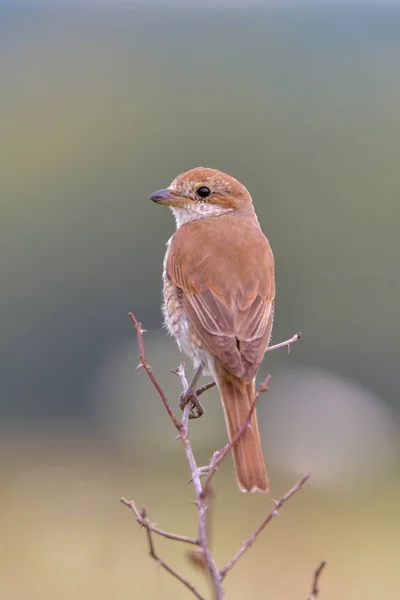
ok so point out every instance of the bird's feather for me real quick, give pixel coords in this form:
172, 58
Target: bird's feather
226, 274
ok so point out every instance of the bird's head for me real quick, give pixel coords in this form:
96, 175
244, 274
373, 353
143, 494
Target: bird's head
202, 193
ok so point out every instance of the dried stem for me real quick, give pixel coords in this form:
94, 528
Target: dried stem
202, 492
315, 584
160, 561
200, 499
287, 344
274, 513
195, 471
143, 363
145, 523
205, 388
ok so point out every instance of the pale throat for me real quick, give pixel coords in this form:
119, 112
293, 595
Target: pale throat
197, 211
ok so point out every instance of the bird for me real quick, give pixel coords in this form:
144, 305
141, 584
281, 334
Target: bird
218, 299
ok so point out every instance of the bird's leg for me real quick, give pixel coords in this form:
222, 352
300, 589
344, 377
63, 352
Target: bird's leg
191, 396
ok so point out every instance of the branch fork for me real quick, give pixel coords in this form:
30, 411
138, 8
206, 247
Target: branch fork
201, 555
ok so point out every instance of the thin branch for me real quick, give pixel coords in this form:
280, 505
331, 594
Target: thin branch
180, 372
315, 584
164, 565
288, 343
202, 492
218, 457
149, 371
195, 471
196, 555
145, 523
205, 388
274, 513
200, 499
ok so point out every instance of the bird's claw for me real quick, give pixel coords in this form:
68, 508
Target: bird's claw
196, 408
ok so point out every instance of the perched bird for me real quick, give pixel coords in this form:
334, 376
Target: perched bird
219, 290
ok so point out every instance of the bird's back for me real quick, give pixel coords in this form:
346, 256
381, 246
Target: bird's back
230, 250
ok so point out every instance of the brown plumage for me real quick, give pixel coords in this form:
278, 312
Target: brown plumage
219, 297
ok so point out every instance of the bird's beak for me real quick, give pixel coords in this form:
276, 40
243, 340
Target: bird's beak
168, 198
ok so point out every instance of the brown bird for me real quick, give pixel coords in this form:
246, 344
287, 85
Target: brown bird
219, 290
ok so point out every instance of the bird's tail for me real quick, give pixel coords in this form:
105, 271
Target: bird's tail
237, 399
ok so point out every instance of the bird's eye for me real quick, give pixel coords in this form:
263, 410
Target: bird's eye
203, 191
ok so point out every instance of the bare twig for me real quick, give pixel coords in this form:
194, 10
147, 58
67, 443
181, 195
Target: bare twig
149, 371
195, 471
180, 372
288, 343
164, 565
315, 584
200, 499
202, 554
274, 513
196, 555
219, 457
145, 523
205, 388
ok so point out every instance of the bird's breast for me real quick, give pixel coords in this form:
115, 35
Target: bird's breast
176, 320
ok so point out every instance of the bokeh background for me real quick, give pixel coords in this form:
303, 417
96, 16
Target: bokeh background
102, 104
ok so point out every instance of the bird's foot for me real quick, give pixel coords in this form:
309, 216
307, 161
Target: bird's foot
190, 397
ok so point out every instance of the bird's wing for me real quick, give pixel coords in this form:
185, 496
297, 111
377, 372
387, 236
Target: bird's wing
227, 292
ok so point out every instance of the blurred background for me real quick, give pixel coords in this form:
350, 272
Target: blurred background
104, 103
